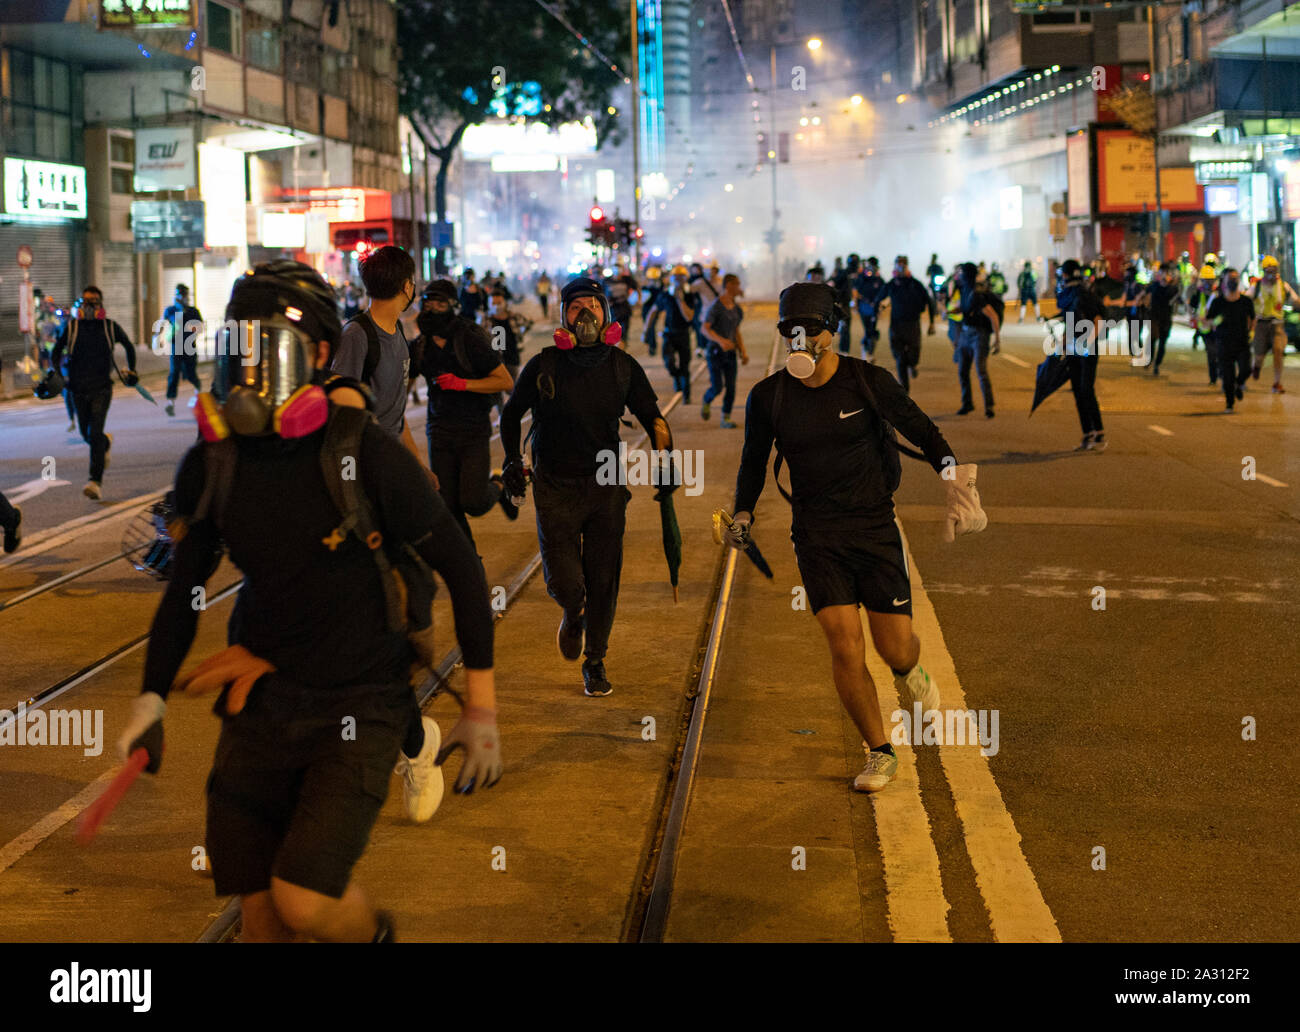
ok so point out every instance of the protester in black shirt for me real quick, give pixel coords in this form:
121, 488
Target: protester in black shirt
908, 300
679, 306
472, 299
844, 279
867, 290
314, 694
620, 287
88, 340
1232, 316
181, 330
504, 338
1083, 311
464, 375
705, 293
577, 391
979, 322
1162, 291
829, 417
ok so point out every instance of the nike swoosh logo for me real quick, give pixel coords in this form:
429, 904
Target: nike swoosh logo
901, 602
845, 415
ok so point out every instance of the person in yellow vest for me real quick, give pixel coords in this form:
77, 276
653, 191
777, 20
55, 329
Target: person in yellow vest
1197, 302
1269, 295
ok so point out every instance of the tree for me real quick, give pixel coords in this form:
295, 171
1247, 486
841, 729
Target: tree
459, 56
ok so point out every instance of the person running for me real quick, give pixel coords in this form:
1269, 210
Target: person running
722, 327
706, 293
472, 299
678, 305
1134, 298
87, 341
1027, 287
620, 287
979, 323
649, 303
1269, 295
180, 329
464, 376
935, 279
11, 522
1084, 312
868, 289
1231, 318
577, 390
292, 799
1162, 292
373, 348
1202, 331
907, 299
844, 470
843, 279
504, 338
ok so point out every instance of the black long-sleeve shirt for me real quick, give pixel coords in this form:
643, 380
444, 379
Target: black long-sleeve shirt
582, 420
90, 356
318, 615
833, 445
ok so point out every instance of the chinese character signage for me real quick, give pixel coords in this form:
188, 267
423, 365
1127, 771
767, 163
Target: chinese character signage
44, 188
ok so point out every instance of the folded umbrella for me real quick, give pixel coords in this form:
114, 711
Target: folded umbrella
1052, 372
672, 535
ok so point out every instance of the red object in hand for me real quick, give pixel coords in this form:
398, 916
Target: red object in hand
99, 810
449, 382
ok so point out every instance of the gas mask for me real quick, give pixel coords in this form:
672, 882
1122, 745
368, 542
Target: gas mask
273, 386
84, 309
803, 354
588, 330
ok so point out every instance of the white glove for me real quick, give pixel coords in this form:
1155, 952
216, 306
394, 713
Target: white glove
144, 728
965, 515
724, 534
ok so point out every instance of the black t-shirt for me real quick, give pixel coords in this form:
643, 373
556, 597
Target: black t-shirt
318, 615
459, 416
674, 322
869, 288
833, 446
1162, 299
1234, 330
85, 343
504, 330
973, 302
582, 418
908, 299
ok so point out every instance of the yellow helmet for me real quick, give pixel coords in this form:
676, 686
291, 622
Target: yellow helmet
1268, 262
680, 270
1207, 272
652, 272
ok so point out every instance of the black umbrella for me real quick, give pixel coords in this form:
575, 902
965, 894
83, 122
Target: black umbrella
1052, 372
672, 536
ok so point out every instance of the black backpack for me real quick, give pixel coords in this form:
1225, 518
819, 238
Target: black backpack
408, 582
889, 438
374, 352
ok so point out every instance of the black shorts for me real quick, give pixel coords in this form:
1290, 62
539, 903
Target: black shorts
295, 788
842, 567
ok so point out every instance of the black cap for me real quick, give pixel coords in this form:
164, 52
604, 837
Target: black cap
800, 301
969, 271
1071, 268
580, 286
441, 290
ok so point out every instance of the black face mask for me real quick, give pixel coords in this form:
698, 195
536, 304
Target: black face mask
1232, 285
434, 324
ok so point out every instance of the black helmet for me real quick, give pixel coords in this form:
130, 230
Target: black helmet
804, 302
584, 286
439, 289
1071, 269
51, 386
282, 309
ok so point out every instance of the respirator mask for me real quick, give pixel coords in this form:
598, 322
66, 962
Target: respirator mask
805, 312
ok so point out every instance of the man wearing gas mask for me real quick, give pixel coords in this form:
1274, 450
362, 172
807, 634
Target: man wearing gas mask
319, 635
464, 375
832, 418
88, 340
577, 390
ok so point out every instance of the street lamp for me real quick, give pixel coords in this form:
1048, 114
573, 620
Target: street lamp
814, 44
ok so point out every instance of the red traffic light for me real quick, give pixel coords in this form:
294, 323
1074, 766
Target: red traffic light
597, 214
639, 232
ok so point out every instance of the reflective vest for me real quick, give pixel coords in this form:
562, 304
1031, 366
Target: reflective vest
1268, 301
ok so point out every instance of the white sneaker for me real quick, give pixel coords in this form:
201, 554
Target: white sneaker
918, 686
91, 490
879, 772
422, 783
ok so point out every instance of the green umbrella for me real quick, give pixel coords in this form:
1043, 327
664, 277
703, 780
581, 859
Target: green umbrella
672, 536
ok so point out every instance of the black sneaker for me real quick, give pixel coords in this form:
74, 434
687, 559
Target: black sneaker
594, 679
988, 413
14, 534
569, 636
503, 499
1241, 393
964, 409
385, 932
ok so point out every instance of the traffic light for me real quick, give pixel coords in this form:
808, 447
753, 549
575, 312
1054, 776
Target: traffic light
597, 228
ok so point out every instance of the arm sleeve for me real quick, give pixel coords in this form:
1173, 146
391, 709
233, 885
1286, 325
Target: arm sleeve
177, 618
350, 355
410, 510
119, 335
642, 401
897, 406
60, 346
523, 399
759, 437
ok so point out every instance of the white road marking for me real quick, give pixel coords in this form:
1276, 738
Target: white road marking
1161, 430
1016, 908
1014, 360
1269, 480
14, 851
26, 492
915, 905
44, 540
